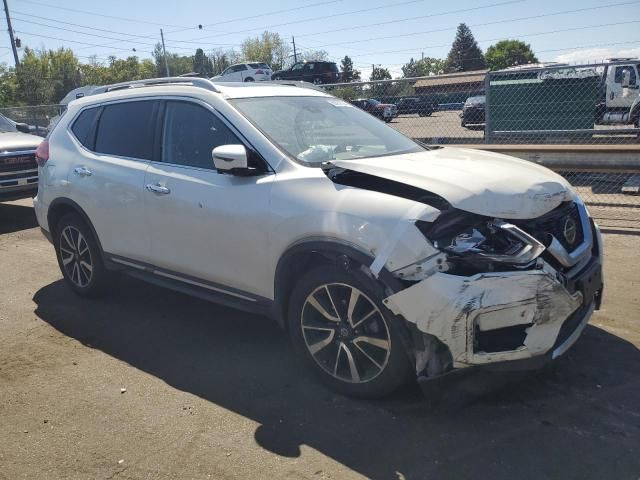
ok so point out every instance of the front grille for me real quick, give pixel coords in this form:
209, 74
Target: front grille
558, 223
15, 163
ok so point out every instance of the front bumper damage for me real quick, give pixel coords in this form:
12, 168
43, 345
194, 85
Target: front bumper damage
515, 320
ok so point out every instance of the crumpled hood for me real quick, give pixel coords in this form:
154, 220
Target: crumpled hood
476, 181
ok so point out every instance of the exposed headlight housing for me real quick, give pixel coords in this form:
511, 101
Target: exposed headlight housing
473, 237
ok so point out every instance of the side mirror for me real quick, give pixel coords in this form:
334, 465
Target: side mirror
23, 127
230, 158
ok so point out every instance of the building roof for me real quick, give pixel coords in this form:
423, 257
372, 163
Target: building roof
452, 79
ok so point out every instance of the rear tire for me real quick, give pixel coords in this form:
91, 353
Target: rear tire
341, 330
249, 79
317, 81
79, 257
277, 78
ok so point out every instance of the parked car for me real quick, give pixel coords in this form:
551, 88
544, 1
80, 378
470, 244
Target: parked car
384, 111
245, 72
473, 111
18, 168
312, 72
383, 259
413, 105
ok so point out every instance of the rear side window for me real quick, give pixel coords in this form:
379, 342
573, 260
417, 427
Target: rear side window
190, 133
126, 129
331, 67
83, 127
256, 65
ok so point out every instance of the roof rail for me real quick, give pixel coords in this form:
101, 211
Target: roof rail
194, 81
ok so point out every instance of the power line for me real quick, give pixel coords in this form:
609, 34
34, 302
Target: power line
501, 38
323, 17
458, 11
131, 40
494, 22
76, 10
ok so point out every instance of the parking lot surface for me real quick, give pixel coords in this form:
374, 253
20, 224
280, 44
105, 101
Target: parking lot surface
151, 384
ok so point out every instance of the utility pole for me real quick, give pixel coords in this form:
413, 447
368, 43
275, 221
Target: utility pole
13, 41
423, 56
295, 54
164, 52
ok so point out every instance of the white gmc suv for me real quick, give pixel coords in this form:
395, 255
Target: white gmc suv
381, 257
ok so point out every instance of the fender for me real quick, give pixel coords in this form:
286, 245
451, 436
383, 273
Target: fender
68, 204
324, 249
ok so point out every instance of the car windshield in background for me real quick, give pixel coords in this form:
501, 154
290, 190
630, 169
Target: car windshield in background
6, 125
319, 129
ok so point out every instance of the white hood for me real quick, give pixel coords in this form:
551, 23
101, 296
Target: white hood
476, 181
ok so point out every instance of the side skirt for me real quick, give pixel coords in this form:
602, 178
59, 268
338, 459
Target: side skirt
196, 287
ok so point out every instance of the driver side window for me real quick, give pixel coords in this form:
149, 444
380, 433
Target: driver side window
297, 66
190, 132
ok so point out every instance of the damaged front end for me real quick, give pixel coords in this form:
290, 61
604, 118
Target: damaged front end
502, 293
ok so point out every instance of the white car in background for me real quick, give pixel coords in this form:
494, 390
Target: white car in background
245, 72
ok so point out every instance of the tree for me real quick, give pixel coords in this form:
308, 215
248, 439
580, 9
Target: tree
380, 73
349, 74
202, 64
178, 64
311, 55
465, 54
423, 67
268, 48
508, 53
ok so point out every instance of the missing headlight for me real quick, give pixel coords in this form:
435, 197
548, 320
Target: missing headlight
476, 238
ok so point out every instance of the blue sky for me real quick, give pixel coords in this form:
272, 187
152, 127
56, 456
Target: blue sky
354, 28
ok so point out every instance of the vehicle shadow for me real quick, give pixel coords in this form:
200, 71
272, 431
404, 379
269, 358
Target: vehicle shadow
14, 218
579, 419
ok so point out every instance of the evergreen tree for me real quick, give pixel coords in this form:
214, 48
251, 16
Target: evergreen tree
465, 54
348, 72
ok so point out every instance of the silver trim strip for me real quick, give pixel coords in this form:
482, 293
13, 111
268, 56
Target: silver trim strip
181, 279
17, 152
18, 172
22, 181
574, 336
570, 259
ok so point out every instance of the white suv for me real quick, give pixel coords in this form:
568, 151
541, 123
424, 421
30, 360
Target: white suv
245, 72
379, 256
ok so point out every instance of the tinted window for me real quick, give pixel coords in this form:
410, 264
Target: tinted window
126, 130
83, 127
256, 65
239, 68
190, 133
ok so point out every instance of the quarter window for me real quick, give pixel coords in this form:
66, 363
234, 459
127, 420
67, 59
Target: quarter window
190, 133
83, 127
126, 129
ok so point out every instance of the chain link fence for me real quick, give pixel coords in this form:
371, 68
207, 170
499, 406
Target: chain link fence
39, 117
594, 105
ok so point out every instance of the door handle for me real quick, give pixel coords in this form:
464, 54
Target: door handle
82, 171
157, 188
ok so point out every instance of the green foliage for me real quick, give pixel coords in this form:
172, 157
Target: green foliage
380, 73
508, 53
349, 74
268, 48
424, 67
465, 54
202, 64
178, 64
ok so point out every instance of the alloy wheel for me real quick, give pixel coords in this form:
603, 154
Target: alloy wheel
345, 333
76, 256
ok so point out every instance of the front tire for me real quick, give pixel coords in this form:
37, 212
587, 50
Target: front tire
342, 331
79, 256
249, 79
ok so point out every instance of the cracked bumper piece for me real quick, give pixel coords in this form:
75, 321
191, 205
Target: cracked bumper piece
499, 318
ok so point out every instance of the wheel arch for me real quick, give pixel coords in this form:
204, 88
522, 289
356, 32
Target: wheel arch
305, 254
60, 207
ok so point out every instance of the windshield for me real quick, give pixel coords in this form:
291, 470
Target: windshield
319, 129
6, 125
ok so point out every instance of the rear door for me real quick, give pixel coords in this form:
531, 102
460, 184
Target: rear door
205, 227
115, 144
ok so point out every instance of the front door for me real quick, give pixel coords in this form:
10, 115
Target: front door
204, 224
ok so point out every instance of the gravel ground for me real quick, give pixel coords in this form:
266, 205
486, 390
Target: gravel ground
151, 384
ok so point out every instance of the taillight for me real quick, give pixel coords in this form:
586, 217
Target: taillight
42, 153
259, 72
